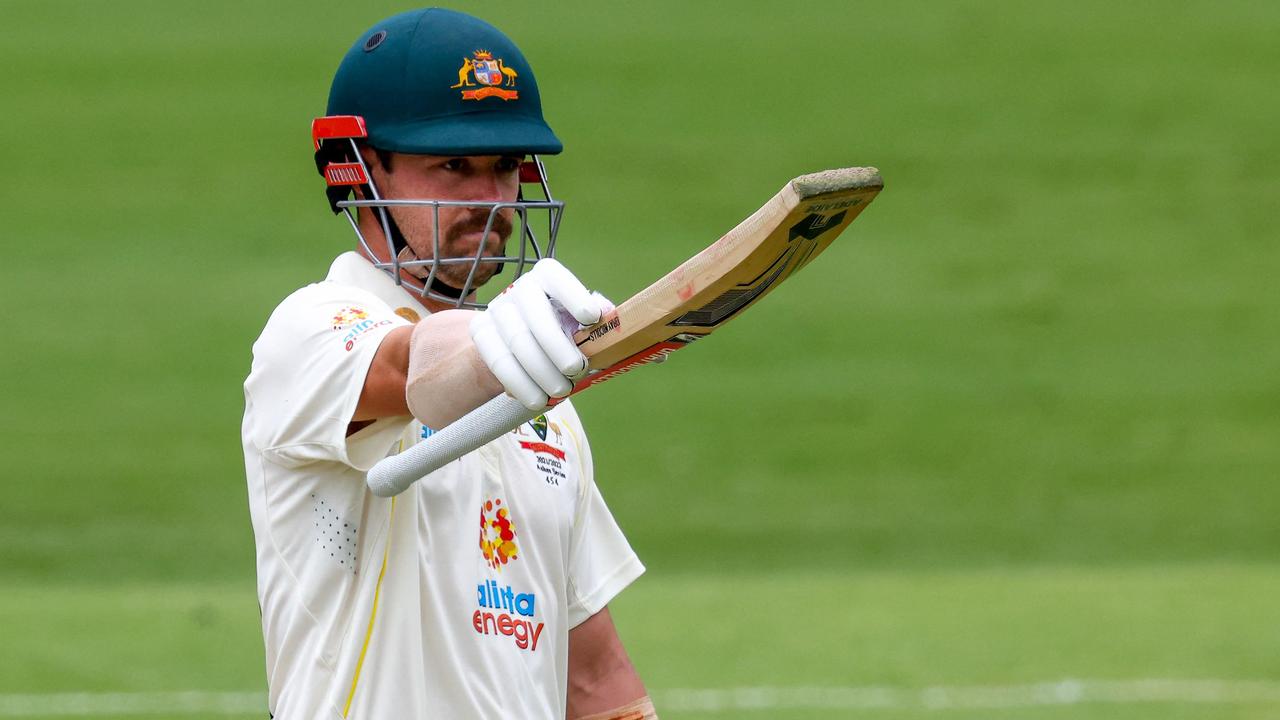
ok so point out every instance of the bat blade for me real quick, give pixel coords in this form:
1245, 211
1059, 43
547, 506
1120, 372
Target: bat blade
714, 286
702, 294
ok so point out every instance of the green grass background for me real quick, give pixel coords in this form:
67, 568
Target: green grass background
1020, 424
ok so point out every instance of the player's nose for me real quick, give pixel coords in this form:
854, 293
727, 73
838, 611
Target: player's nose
488, 185
490, 189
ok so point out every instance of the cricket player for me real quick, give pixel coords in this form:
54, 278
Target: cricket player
482, 591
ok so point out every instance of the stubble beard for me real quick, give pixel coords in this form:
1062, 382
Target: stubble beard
420, 236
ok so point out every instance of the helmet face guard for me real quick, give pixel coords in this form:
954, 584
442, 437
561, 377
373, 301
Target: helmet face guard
337, 141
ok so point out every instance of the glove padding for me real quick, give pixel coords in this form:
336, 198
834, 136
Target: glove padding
526, 335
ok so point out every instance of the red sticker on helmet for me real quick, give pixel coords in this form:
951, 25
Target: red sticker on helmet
337, 127
345, 174
529, 172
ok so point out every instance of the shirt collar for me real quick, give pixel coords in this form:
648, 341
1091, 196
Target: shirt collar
352, 268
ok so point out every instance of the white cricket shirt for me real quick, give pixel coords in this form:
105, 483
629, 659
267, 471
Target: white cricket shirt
451, 600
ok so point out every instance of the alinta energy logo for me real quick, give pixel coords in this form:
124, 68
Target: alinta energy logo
356, 321
501, 610
497, 534
348, 316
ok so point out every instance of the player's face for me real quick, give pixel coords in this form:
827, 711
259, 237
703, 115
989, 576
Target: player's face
484, 178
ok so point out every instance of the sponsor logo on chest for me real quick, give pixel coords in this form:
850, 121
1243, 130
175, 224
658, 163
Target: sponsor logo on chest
356, 322
503, 611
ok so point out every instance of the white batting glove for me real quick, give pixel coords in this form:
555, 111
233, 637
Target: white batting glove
526, 335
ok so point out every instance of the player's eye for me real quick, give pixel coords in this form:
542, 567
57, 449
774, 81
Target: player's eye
507, 164
454, 164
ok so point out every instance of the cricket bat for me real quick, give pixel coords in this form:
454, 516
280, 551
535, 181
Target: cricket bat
702, 294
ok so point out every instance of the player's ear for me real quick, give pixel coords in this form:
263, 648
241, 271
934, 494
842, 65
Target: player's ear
372, 158
377, 157
379, 164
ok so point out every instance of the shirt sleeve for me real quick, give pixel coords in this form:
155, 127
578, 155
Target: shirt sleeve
601, 561
309, 367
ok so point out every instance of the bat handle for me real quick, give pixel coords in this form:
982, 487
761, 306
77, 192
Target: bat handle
393, 475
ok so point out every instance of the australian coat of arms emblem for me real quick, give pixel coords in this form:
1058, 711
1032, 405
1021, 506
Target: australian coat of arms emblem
488, 76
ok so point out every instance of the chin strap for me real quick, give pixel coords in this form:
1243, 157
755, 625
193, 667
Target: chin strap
641, 709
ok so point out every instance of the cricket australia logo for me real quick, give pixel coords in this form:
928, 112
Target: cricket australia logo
548, 455
488, 76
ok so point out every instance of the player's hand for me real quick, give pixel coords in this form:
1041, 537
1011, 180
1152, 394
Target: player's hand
526, 335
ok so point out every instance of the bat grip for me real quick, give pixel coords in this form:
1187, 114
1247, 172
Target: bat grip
393, 475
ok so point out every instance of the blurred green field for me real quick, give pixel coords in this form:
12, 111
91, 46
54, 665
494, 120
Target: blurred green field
1019, 426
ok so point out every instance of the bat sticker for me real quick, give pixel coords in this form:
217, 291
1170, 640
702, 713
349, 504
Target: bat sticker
814, 225
736, 298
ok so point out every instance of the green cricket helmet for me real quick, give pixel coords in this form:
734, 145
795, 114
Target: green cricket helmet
436, 82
